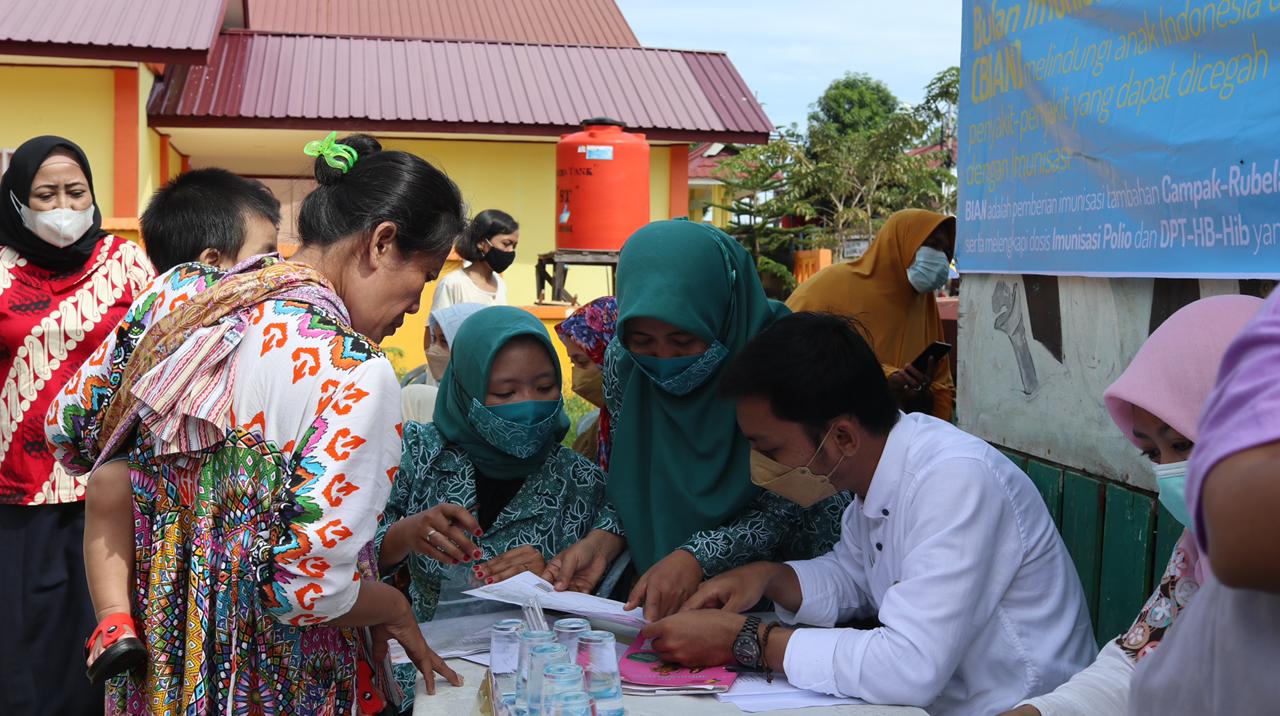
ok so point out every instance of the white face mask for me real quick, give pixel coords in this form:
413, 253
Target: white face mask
60, 227
929, 271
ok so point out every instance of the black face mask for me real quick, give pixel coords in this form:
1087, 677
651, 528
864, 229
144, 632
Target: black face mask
498, 260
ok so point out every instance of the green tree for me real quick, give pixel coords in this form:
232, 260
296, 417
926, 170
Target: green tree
851, 182
938, 111
853, 104
757, 182
854, 173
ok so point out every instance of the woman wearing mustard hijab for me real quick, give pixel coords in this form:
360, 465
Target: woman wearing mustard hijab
890, 291
689, 300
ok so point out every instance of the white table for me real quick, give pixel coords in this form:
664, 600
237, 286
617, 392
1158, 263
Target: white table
450, 701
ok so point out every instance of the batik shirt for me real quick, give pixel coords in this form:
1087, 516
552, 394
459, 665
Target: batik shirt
557, 505
49, 324
772, 528
267, 535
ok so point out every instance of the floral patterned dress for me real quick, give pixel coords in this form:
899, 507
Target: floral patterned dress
245, 549
556, 506
1179, 584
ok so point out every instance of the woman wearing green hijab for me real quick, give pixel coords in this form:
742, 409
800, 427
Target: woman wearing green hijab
486, 491
689, 300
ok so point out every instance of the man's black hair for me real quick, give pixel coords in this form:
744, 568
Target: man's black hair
813, 368
203, 209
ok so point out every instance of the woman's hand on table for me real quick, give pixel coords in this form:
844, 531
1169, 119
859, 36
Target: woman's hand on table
580, 567
1023, 710
403, 627
667, 585
442, 533
698, 638
525, 558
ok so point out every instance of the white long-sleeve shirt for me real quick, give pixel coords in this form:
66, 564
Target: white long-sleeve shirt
955, 552
1100, 690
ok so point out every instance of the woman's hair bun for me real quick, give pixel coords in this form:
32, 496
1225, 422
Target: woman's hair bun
364, 145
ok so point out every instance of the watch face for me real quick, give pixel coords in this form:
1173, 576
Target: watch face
746, 651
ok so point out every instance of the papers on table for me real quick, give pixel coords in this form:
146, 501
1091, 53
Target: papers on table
457, 637
753, 694
520, 588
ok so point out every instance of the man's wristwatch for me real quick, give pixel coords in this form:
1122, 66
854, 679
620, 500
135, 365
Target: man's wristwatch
746, 648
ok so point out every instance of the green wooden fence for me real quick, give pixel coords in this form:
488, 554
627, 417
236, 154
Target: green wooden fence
1119, 538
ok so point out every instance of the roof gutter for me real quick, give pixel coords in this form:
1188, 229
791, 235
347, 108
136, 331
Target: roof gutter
356, 124
160, 55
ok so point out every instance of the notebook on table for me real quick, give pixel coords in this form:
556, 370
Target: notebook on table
643, 672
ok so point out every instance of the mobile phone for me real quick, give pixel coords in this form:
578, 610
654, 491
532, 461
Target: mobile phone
936, 351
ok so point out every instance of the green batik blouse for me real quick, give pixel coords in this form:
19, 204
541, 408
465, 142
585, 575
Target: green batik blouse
557, 505
770, 528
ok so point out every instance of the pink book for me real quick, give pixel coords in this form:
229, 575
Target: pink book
641, 666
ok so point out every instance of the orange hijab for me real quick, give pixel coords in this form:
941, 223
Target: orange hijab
875, 291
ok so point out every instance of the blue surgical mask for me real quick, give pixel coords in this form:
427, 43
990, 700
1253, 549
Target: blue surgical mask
1171, 479
518, 429
683, 374
929, 271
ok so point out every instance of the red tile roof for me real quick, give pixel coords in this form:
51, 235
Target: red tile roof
257, 80
135, 30
545, 22
935, 152
703, 162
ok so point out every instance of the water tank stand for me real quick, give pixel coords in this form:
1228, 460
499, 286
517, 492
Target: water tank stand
553, 269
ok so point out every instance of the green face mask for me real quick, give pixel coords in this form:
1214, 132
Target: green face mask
1171, 480
683, 374
518, 429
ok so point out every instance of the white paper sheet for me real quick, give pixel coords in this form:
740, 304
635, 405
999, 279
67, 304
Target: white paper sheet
753, 694
518, 590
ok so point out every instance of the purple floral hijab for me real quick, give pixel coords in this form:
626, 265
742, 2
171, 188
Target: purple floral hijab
591, 328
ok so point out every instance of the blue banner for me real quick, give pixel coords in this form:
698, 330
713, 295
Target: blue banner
1120, 138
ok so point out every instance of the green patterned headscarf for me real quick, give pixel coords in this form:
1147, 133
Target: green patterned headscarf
680, 463
466, 382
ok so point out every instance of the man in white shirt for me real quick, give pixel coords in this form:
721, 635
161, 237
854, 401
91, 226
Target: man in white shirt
947, 544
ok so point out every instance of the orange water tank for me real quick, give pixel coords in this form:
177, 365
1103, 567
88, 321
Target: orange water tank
602, 186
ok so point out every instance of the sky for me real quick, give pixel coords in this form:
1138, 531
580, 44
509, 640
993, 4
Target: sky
788, 51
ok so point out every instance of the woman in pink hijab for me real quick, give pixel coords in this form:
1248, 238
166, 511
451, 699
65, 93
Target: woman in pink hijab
1156, 403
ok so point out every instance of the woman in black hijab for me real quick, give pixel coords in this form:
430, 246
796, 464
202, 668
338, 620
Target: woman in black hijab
36, 239
64, 284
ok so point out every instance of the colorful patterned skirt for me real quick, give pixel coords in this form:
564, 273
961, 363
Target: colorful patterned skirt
204, 536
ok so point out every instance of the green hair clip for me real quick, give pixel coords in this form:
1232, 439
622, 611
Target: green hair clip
339, 156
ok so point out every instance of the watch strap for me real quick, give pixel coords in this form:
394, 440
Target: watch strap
751, 629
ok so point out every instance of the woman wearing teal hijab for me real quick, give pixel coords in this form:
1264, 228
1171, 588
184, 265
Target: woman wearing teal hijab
486, 491
689, 300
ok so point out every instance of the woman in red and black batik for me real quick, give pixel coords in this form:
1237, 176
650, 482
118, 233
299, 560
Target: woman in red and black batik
64, 285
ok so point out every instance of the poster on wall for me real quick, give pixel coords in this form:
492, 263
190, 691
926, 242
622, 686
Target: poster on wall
1120, 138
